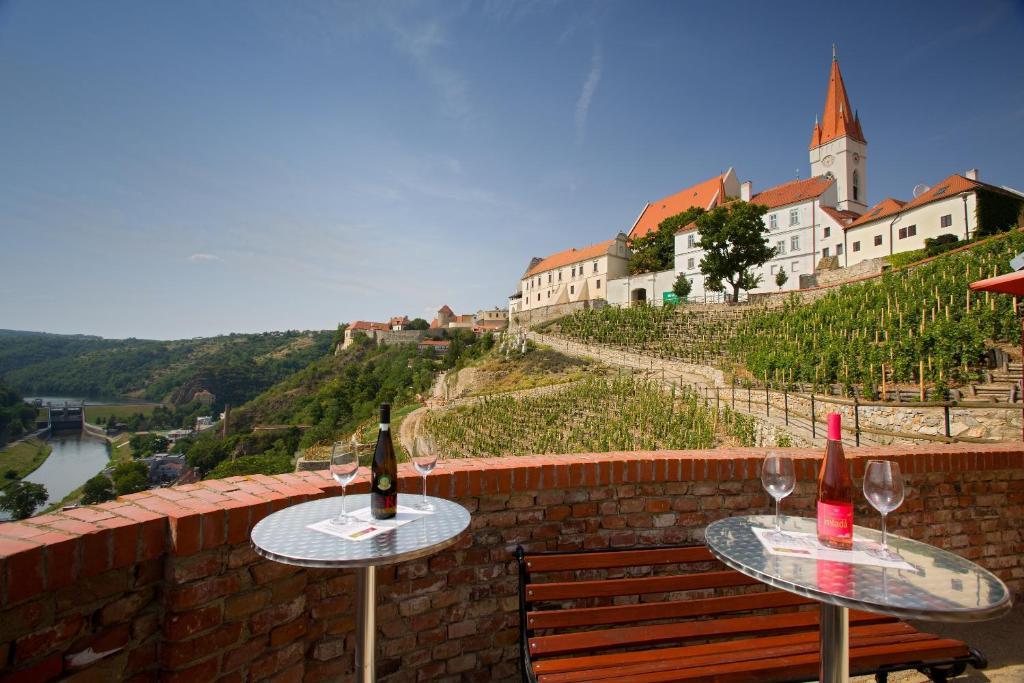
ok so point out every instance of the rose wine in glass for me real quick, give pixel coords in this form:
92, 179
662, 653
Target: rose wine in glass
835, 493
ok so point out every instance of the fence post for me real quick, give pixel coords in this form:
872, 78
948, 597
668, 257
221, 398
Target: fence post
945, 409
785, 403
767, 400
856, 418
750, 391
814, 432
734, 394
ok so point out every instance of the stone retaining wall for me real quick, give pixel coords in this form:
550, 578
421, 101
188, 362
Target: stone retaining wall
163, 584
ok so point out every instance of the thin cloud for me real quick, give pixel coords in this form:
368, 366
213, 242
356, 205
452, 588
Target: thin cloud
201, 257
587, 93
420, 43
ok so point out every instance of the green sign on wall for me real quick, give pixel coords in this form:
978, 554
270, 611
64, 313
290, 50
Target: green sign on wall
669, 298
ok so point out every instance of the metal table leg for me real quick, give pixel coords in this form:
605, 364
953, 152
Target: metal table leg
835, 644
366, 624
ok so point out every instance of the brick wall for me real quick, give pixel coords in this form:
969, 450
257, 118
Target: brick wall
163, 585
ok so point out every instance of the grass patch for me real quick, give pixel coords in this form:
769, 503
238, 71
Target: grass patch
907, 257
540, 367
121, 412
22, 458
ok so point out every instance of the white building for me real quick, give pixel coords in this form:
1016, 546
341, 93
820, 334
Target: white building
572, 275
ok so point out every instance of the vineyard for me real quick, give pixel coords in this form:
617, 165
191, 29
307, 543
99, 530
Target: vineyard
920, 324
595, 415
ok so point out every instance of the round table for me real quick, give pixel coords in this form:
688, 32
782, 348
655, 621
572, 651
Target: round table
283, 537
941, 587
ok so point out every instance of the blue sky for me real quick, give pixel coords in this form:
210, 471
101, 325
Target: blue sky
173, 169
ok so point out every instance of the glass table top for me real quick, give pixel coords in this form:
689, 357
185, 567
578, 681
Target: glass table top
283, 536
942, 586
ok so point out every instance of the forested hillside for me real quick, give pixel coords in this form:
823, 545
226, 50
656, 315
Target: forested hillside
233, 367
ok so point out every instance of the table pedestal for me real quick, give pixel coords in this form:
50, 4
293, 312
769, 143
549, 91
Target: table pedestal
834, 631
366, 624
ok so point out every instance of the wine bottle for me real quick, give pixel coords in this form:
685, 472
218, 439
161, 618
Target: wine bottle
835, 494
384, 471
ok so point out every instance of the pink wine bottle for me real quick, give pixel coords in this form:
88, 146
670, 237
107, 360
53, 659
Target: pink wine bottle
835, 494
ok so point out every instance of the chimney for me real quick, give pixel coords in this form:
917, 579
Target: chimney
746, 190
971, 174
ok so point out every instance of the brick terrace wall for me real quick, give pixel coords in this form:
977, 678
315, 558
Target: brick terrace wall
163, 585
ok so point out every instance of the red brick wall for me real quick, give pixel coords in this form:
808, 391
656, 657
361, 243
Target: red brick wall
163, 584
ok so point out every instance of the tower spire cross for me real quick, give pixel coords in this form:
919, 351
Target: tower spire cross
834, 54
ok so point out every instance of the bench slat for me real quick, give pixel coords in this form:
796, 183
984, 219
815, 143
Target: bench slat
635, 586
797, 666
649, 611
649, 635
568, 664
622, 558
742, 651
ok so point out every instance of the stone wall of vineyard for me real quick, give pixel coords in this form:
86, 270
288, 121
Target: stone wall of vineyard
527, 319
164, 582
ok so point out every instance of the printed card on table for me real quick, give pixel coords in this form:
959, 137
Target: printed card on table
363, 526
799, 544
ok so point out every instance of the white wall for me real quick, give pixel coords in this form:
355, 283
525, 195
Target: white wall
927, 219
563, 285
653, 286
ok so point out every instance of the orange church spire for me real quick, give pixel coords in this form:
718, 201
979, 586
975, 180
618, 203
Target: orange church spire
838, 119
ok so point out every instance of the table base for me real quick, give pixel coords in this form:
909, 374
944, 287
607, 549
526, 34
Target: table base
834, 634
366, 624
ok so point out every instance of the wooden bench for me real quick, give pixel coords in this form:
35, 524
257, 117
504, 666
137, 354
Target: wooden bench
677, 614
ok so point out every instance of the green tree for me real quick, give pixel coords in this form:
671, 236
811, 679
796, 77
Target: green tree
656, 250
682, 286
781, 278
130, 477
98, 489
22, 498
418, 324
733, 240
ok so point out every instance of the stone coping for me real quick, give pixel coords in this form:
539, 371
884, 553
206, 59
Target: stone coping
52, 551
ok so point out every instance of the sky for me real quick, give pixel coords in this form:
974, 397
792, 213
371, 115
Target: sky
187, 168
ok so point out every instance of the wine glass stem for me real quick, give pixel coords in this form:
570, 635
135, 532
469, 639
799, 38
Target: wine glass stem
424, 489
885, 545
778, 525
343, 514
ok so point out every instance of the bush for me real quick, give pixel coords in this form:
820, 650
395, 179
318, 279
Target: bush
130, 477
933, 246
98, 489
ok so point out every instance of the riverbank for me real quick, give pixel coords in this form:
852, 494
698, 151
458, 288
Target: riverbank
22, 458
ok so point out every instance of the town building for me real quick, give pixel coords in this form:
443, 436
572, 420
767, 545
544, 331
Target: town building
370, 329
398, 323
573, 275
438, 347
493, 320
444, 316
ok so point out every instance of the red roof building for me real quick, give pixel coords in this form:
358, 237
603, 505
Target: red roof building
706, 195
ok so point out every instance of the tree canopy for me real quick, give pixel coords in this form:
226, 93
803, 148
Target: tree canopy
22, 498
656, 250
98, 489
682, 286
733, 240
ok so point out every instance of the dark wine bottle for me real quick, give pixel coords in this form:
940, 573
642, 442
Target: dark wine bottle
384, 470
835, 493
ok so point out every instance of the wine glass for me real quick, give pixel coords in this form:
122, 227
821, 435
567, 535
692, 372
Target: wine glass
779, 479
883, 487
424, 459
344, 468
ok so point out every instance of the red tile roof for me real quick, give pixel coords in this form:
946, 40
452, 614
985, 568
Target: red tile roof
792, 192
445, 310
953, 185
838, 119
364, 325
706, 195
570, 256
842, 217
398, 320
434, 342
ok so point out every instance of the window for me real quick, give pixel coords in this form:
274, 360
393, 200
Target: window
794, 243
947, 220
828, 231
856, 186
856, 246
780, 247
689, 264
538, 296
824, 252
595, 266
690, 241
908, 231
773, 270
559, 276
773, 221
572, 289
598, 284
549, 278
794, 216
549, 294
839, 250
795, 266
878, 240
574, 271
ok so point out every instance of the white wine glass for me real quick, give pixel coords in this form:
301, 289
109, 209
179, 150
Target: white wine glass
778, 477
883, 487
344, 468
424, 459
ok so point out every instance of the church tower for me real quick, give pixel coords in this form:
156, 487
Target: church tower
838, 147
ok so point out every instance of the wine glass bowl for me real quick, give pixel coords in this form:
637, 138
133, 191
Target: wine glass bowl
424, 459
344, 468
883, 488
778, 477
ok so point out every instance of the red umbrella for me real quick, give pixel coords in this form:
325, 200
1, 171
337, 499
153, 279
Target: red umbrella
1011, 283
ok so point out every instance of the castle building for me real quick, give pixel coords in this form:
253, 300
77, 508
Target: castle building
572, 275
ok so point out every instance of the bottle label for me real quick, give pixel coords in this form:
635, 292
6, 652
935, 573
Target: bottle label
384, 427
835, 520
383, 482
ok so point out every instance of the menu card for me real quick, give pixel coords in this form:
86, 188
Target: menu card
363, 526
799, 544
